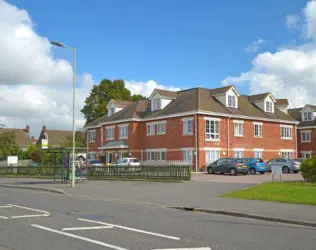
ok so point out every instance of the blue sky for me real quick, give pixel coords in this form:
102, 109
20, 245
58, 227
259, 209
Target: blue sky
179, 43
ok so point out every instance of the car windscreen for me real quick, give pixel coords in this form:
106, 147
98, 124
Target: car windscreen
134, 160
240, 160
259, 160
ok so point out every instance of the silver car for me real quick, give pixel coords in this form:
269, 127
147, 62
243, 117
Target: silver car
287, 165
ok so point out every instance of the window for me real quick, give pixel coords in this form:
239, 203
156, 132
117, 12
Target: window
212, 155
212, 130
161, 155
156, 103
150, 155
91, 134
231, 101
161, 128
286, 132
269, 106
187, 155
109, 133
92, 155
258, 129
123, 131
258, 153
308, 116
287, 154
111, 111
305, 136
150, 129
187, 127
239, 153
306, 155
238, 128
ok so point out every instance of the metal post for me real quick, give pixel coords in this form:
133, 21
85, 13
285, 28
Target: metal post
73, 119
54, 167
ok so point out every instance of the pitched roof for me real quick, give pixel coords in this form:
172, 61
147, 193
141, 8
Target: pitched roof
296, 113
167, 93
196, 99
313, 107
282, 102
220, 90
121, 104
55, 137
22, 137
258, 97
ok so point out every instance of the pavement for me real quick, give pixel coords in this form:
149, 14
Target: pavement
40, 220
200, 195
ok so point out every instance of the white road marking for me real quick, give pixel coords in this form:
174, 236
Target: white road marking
195, 248
6, 206
28, 216
85, 228
3, 217
132, 229
79, 237
28, 208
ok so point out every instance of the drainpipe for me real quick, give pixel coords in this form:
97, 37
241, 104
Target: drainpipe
196, 143
228, 135
296, 141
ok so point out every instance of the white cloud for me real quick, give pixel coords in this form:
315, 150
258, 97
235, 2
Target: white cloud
288, 73
292, 21
255, 46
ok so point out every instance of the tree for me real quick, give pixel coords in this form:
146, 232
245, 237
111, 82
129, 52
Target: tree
8, 145
96, 102
80, 140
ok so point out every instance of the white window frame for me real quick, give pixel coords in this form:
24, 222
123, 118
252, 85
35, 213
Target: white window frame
259, 125
306, 136
187, 155
212, 154
92, 153
123, 131
239, 152
286, 132
159, 126
150, 155
307, 117
161, 153
216, 129
258, 153
305, 153
90, 133
111, 110
112, 128
238, 128
185, 126
156, 103
150, 128
287, 154
231, 101
268, 105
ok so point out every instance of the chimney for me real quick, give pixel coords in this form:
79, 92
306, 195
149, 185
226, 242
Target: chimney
27, 129
44, 129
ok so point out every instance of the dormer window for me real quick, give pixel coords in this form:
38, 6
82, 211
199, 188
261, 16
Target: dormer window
156, 104
308, 116
111, 111
269, 106
231, 101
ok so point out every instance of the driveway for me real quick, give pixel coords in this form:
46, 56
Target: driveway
246, 179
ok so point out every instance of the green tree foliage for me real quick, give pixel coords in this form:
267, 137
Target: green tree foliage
308, 169
100, 95
79, 143
8, 145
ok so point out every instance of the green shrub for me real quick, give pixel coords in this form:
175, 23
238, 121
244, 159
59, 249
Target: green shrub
308, 169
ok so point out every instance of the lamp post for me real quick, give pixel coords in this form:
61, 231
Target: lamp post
58, 44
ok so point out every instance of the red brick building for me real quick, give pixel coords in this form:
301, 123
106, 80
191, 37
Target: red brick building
306, 130
195, 125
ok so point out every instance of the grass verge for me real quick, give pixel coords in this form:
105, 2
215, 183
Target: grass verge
285, 192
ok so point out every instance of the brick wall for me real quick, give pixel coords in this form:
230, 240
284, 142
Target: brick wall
307, 146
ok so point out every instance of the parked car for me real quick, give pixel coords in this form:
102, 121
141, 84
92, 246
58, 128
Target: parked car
256, 165
287, 165
94, 163
228, 165
127, 162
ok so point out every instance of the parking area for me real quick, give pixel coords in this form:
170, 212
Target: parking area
247, 179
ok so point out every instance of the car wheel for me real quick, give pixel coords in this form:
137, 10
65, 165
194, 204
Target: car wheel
232, 171
252, 171
285, 170
295, 171
210, 170
261, 172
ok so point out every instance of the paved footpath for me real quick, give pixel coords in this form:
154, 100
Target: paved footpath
203, 195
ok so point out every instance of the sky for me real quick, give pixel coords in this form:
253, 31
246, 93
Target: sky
258, 46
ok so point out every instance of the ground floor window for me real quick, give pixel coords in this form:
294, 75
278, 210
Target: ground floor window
161, 155
212, 155
150, 155
287, 154
109, 157
306, 155
187, 155
239, 153
258, 154
92, 155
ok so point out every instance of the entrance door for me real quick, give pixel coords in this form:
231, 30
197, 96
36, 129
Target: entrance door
109, 158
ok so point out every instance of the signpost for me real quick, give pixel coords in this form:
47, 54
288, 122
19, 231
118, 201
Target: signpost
276, 170
44, 143
12, 160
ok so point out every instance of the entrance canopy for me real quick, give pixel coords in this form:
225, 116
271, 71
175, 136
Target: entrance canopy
119, 144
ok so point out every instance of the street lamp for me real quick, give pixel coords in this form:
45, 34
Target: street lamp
58, 44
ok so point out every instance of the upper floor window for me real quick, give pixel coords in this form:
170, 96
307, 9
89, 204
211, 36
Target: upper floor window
111, 111
91, 135
212, 130
156, 103
123, 131
150, 129
308, 116
109, 133
187, 126
231, 101
239, 128
269, 106
161, 128
306, 136
286, 132
258, 129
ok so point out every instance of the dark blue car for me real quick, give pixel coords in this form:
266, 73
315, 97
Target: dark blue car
256, 165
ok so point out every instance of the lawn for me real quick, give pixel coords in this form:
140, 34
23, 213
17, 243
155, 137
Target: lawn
286, 192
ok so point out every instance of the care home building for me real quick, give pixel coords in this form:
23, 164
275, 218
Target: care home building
195, 125
306, 130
